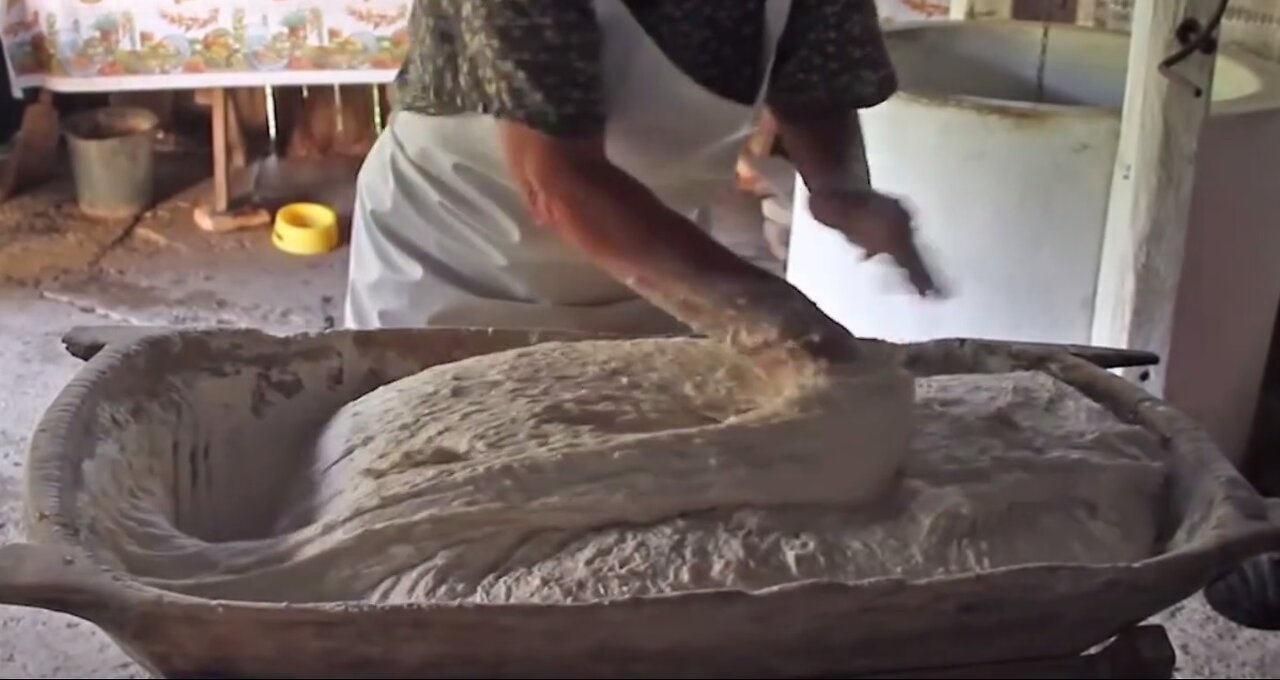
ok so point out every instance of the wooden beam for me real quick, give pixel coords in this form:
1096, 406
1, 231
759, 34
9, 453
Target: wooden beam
981, 9
1146, 224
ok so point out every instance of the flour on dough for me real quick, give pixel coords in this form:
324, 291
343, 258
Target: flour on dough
574, 472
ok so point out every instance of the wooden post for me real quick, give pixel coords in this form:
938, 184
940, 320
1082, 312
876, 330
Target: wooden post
221, 179
1146, 225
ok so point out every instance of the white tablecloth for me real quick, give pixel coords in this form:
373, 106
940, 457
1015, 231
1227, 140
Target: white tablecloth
912, 10
113, 45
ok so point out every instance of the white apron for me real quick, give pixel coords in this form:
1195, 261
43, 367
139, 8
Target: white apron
441, 235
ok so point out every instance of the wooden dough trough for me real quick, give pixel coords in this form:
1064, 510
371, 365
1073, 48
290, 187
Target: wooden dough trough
1213, 520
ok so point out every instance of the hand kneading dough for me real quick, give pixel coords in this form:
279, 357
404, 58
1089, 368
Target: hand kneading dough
571, 472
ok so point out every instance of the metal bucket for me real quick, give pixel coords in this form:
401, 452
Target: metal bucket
113, 160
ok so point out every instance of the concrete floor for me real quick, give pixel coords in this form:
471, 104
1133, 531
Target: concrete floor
59, 271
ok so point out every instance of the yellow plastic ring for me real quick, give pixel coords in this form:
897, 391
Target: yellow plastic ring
306, 229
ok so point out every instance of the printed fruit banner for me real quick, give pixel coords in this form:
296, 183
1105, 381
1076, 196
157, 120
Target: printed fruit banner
912, 10
100, 45
109, 45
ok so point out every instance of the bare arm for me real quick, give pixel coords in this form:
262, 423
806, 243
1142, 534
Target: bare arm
572, 188
827, 151
832, 63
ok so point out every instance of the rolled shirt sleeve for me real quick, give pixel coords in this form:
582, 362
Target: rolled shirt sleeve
831, 58
538, 62
535, 62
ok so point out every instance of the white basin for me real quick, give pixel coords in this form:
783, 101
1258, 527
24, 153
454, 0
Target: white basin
1006, 158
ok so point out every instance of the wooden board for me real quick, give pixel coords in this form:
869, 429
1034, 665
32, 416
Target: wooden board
1147, 215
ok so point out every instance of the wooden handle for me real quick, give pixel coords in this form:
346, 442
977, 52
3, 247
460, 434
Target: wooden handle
85, 342
1107, 357
1102, 357
58, 579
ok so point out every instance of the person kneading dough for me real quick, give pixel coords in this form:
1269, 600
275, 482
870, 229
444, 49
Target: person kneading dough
550, 162
545, 172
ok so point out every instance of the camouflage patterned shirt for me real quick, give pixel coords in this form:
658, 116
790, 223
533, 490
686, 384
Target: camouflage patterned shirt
537, 61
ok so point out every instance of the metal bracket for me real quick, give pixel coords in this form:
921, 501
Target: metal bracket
1194, 38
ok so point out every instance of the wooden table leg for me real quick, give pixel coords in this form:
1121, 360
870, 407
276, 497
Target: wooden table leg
33, 160
221, 170
218, 217
237, 151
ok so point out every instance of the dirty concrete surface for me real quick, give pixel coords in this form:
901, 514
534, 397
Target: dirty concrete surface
58, 270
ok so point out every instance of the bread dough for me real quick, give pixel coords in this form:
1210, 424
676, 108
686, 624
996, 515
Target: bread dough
573, 472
